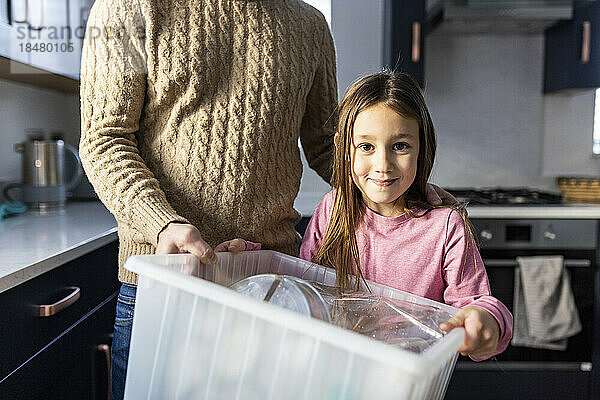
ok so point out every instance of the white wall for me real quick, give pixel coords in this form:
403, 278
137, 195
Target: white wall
23, 106
357, 28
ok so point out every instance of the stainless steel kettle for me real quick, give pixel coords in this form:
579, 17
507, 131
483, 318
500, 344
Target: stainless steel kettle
44, 178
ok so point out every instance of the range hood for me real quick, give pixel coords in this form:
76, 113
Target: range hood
496, 16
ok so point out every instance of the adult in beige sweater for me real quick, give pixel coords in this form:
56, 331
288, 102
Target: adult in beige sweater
191, 113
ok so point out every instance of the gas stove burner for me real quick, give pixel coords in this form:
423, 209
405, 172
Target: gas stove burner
505, 196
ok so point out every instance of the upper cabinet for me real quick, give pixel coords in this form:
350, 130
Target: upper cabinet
44, 34
50, 36
404, 37
572, 50
14, 13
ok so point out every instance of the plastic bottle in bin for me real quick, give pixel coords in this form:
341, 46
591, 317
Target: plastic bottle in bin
411, 326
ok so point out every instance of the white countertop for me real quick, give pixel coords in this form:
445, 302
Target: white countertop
307, 204
33, 243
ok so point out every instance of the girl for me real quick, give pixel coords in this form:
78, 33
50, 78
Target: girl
376, 223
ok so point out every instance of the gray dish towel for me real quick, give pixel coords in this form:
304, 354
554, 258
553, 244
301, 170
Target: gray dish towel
544, 308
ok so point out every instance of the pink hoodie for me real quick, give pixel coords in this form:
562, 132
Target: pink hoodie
422, 256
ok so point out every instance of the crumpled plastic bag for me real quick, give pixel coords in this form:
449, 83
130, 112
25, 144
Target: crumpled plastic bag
411, 326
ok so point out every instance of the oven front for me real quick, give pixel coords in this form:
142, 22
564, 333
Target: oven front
532, 373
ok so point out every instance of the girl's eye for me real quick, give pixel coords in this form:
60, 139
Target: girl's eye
400, 146
365, 147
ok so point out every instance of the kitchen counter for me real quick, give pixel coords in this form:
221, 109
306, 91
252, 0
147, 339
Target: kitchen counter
34, 243
307, 205
566, 211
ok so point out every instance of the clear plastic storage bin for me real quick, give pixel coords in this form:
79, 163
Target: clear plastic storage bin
193, 338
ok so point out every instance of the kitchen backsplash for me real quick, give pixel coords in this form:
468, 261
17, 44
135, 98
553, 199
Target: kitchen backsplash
23, 106
568, 127
485, 97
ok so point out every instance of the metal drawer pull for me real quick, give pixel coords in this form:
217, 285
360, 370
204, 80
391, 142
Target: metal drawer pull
513, 263
512, 366
46, 310
105, 349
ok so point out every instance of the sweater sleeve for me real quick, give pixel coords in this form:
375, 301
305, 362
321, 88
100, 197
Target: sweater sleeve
467, 281
316, 229
316, 131
251, 246
113, 85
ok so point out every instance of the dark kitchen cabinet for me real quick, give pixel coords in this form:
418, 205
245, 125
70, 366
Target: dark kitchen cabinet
404, 43
572, 50
85, 353
493, 382
65, 355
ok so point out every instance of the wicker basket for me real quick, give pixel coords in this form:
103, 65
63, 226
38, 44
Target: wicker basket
580, 189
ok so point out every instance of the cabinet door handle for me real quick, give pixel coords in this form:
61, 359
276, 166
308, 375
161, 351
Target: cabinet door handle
46, 310
41, 25
9, 12
105, 349
492, 262
585, 42
26, 19
416, 42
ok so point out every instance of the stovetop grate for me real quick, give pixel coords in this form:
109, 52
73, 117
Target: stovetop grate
505, 196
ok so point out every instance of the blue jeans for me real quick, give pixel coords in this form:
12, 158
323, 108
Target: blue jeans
119, 351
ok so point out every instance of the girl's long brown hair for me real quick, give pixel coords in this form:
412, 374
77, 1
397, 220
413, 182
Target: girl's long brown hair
399, 92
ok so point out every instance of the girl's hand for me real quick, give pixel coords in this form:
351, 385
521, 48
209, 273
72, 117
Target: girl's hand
234, 246
481, 330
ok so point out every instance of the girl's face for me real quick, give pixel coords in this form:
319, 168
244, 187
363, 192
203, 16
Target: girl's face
384, 158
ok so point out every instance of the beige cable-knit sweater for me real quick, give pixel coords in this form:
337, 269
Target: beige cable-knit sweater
191, 111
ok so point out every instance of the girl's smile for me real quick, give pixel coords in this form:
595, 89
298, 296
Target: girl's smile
386, 182
384, 158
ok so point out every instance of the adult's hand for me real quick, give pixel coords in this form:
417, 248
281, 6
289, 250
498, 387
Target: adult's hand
436, 196
184, 238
